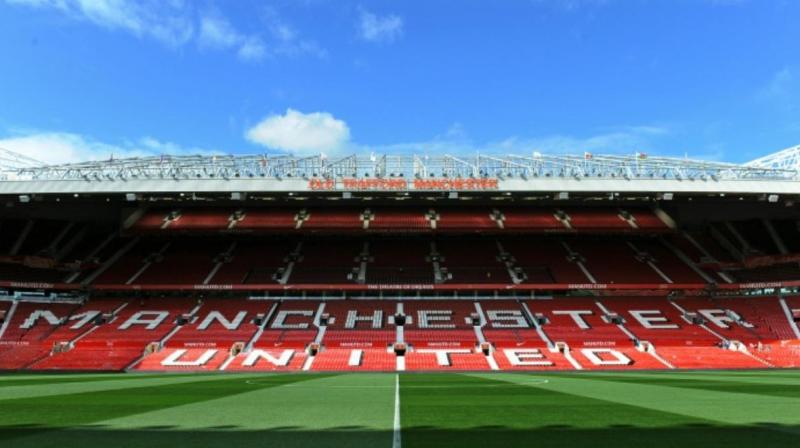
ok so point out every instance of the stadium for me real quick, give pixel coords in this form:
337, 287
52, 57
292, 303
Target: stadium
441, 279
399, 224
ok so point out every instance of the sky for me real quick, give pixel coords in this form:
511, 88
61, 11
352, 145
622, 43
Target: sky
95, 79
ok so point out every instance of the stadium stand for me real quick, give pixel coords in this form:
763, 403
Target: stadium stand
486, 283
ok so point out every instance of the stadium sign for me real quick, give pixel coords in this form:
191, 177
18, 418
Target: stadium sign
401, 184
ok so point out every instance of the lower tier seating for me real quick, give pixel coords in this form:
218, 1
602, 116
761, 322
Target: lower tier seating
709, 358
181, 334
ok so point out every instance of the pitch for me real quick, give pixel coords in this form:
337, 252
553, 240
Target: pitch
703, 409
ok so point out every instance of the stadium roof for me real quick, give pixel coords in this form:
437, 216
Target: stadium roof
284, 173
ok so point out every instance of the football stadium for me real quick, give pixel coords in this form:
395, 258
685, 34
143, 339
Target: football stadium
399, 224
440, 301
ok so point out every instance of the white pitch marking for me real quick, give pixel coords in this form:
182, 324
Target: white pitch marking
396, 441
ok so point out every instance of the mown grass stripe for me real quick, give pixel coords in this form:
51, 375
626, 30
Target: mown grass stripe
478, 411
723, 407
31, 416
324, 411
361, 401
764, 385
125, 382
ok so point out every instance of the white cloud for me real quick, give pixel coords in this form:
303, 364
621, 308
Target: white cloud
287, 40
252, 49
283, 32
301, 133
168, 22
177, 23
375, 28
217, 32
64, 147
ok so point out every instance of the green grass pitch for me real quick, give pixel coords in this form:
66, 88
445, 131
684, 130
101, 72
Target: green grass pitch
669, 409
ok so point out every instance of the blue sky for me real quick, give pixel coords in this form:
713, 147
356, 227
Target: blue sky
714, 79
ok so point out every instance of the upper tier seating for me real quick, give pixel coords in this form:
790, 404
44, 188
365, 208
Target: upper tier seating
597, 219
454, 219
476, 262
669, 263
626, 268
544, 261
346, 219
399, 261
400, 219
188, 219
465, 220
127, 267
521, 218
755, 233
253, 262
273, 219
10, 231
326, 262
184, 262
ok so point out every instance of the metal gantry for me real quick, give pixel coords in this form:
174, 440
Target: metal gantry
781, 166
787, 159
10, 160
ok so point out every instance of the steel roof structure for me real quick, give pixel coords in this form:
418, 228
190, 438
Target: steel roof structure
534, 172
788, 159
